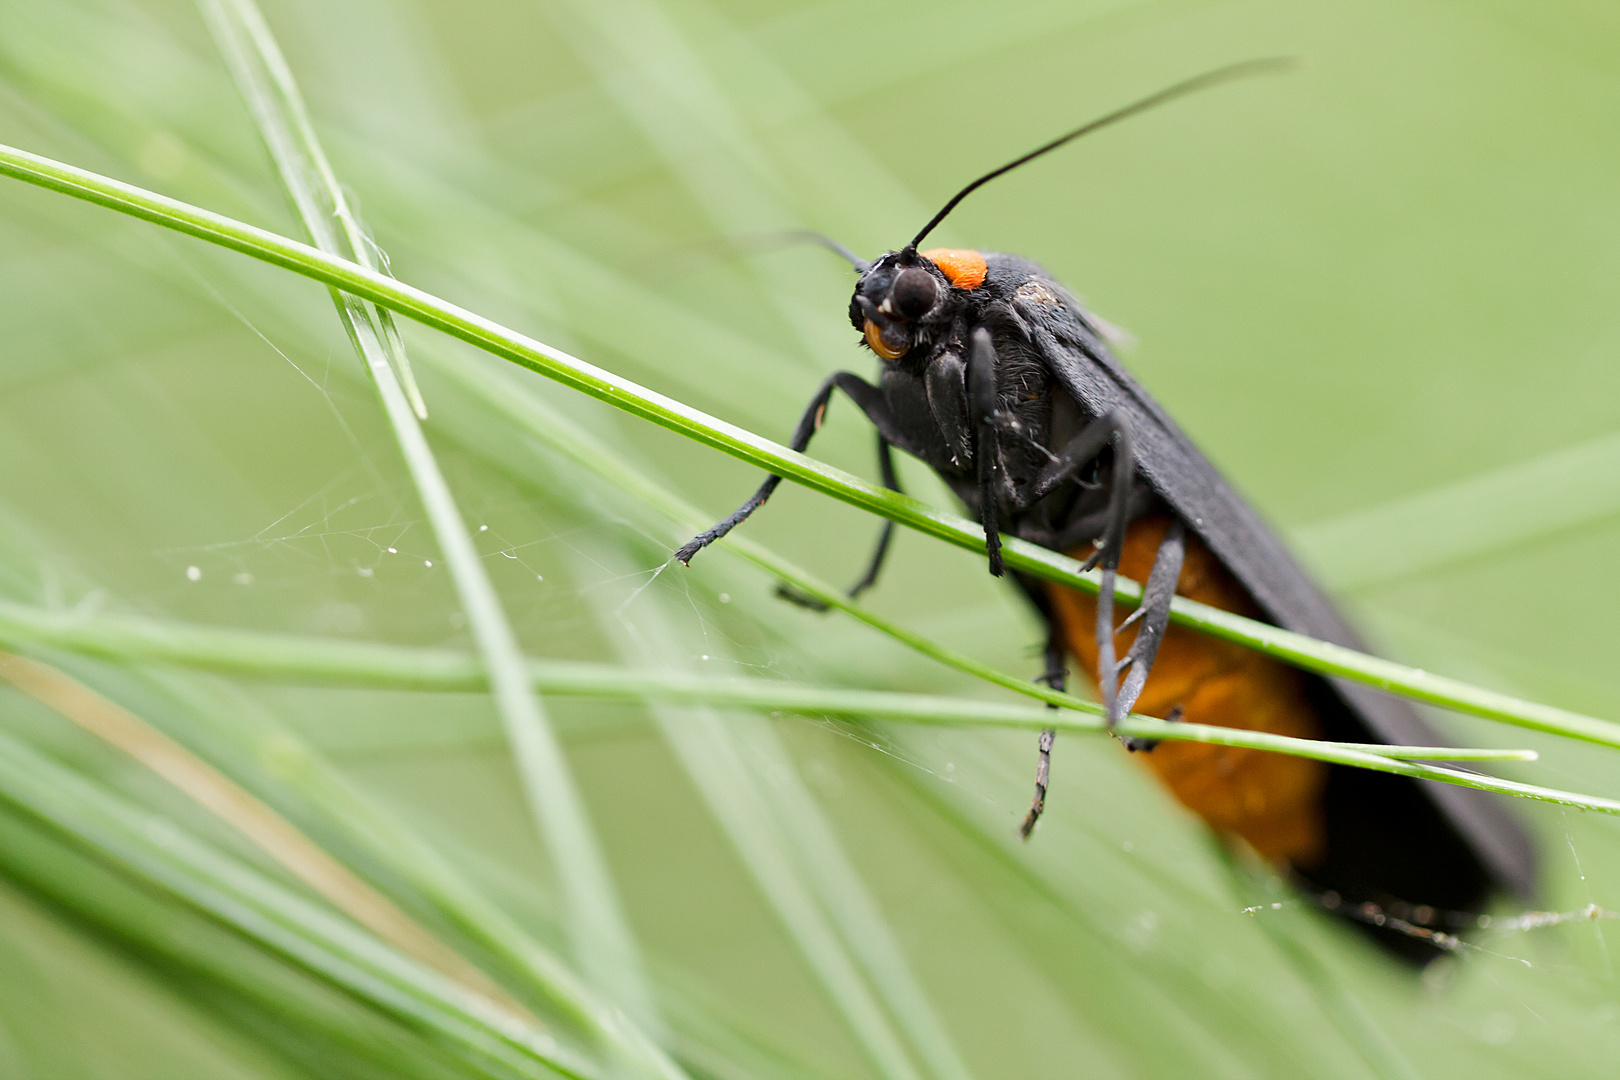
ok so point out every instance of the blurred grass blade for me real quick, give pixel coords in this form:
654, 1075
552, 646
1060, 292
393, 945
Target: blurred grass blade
1296, 649
1338, 1001
256, 748
602, 942
308, 778
282, 1007
823, 862
1472, 517
644, 61
334, 660
270, 831
850, 904
723, 778
272, 96
713, 757
155, 850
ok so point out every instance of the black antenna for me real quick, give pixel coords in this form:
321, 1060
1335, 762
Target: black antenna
768, 241
1181, 89
813, 237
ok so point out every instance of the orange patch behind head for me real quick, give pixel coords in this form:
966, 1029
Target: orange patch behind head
962, 268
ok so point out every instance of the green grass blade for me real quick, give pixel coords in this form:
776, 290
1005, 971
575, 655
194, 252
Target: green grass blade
226, 973
602, 942
715, 753
302, 778
1491, 512
1304, 652
308, 779
854, 911
1339, 1003
286, 656
155, 850
254, 819
352, 663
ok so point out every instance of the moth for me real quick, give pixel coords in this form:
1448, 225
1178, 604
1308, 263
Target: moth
996, 377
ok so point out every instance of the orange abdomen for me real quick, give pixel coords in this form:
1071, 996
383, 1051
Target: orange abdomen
1273, 801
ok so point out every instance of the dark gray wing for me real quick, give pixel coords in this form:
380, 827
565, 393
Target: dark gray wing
1180, 474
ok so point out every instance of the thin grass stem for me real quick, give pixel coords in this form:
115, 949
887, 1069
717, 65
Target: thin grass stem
1304, 652
284, 656
602, 943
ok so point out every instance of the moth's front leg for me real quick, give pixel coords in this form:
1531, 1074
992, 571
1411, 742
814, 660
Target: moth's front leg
946, 381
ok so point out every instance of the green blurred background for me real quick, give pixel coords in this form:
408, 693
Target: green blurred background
1378, 291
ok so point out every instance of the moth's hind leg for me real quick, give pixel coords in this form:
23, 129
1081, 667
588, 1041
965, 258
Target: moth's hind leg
1154, 615
1107, 556
1056, 676
885, 451
879, 553
1146, 746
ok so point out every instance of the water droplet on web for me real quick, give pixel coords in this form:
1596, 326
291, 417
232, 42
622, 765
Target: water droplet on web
725, 598
483, 528
364, 571
428, 563
539, 577
193, 573
705, 656
393, 551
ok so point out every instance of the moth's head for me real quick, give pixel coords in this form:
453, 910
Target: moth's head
902, 292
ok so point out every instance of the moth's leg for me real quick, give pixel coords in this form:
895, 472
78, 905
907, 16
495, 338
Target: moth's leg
1090, 527
1112, 426
870, 400
1043, 768
885, 453
987, 419
1146, 746
1154, 615
1079, 452
879, 553
1057, 677
945, 380
1107, 559
983, 405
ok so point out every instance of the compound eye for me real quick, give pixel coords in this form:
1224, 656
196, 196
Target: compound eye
914, 293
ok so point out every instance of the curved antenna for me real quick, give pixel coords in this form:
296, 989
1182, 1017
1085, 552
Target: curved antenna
813, 237
1170, 93
768, 241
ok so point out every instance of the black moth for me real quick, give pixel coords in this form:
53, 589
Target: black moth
998, 379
